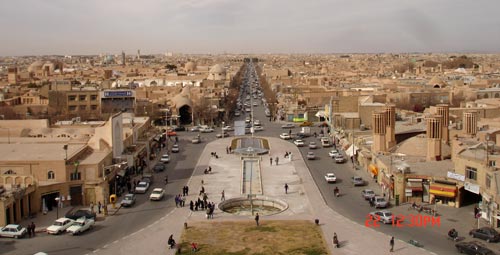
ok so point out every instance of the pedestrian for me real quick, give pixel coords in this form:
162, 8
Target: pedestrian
208, 213
99, 207
230, 150
286, 188
183, 201
29, 230
202, 190
222, 197
33, 226
392, 244
335, 241
286, 154
290, 132
176, 139
227, 150
187, 190
257, 219
92, 207
191, 205
276, 160
176, 201
271, 160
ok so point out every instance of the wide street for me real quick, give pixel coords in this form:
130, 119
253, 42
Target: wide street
129, 220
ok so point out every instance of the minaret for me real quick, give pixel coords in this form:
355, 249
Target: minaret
379, 127
434, 130
444, 111
390, 111
123, 58
470, 123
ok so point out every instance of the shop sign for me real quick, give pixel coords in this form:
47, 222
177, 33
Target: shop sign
474, 188
408, 192
456, 176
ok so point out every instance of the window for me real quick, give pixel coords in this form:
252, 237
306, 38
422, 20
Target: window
75, 176
51, 175
71, 98
93, 107
492, 163
83, 107
471, 173
488, 181
82, 98
72, 107
93, 97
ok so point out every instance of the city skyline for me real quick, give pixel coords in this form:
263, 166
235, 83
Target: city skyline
218, 26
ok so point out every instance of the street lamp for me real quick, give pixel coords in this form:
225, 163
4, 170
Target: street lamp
58, 199
222, 129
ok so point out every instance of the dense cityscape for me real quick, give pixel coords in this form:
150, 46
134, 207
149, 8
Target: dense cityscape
133, 152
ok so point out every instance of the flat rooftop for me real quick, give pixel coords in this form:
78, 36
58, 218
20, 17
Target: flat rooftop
37, 152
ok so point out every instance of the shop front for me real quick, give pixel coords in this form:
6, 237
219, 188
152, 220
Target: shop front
373, 170
443, 192
415, 189
387, 184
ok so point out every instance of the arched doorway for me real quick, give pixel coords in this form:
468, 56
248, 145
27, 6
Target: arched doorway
185, 113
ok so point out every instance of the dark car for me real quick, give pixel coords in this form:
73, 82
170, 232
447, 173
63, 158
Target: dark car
81, 213
473, 248
485, 233
159, 167
181, 128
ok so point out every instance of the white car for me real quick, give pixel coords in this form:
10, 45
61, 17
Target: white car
311, 156
237, 114
175, 148
313, 145
80, 225
285, 136
325, 142
228, 128
384, 216
299, 143
142, 187
258, 128
165, 158
157, 194
289, 125
195, 129
339, 159
59, 226
206, 129
13, 230
330, 177
256, 122
333, 153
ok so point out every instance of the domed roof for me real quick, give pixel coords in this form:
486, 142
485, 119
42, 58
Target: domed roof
436, 81
217, 69
182, 99
37, 65
324, 70
190, 66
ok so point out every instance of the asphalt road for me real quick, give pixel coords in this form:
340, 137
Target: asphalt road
127, 220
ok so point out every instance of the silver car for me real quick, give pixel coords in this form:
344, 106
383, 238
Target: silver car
380, 202
357, 181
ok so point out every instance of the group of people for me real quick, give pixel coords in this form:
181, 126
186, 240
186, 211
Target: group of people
288, 154
229, 150
208, 170
31, 229
276, 160
214, 154
180, 201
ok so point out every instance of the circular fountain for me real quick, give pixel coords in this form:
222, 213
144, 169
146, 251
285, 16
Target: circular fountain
258, 204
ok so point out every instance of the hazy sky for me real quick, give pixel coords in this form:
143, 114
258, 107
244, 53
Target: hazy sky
34, 27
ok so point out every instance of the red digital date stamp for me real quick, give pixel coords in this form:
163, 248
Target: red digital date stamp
373, 220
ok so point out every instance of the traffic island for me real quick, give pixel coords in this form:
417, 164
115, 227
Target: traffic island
244, 237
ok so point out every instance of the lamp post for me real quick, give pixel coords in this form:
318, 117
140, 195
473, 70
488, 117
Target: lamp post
58, 199
222, 129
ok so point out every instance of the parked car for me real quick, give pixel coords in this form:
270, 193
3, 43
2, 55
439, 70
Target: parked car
313, 145
206, 130
195, 140
256, 123
13, 230
159, 167
59, 226
473, 248
165, 158
299, 143
157, 194
81, 213
384, 216
142, 187
147, 177
171, 133
380, 202
180, 128
237, 114
339, 159
228, 128
485, 233
80, 225
195, 129
285, 136
357, 181
330, 178
367, 194
311, 156
175, 148
258, 128
333, 153
128, 200
288, 125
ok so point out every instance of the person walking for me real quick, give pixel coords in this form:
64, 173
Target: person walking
276, 160
391, 243
99, 207
33, 226
335, 240
222, 197
286, 188
271, 160
92, 207
29, 230
257, 219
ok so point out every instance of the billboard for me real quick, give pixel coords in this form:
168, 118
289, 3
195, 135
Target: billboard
118, 93
239, 127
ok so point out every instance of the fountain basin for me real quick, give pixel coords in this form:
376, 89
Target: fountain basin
261, 204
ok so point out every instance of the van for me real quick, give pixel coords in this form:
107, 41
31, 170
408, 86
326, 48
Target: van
325, 142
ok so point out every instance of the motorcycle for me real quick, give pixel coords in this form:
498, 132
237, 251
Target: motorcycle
336, 192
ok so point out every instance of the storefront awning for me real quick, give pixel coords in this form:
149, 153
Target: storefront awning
414, 186
443, 190
351, 150
373, 169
